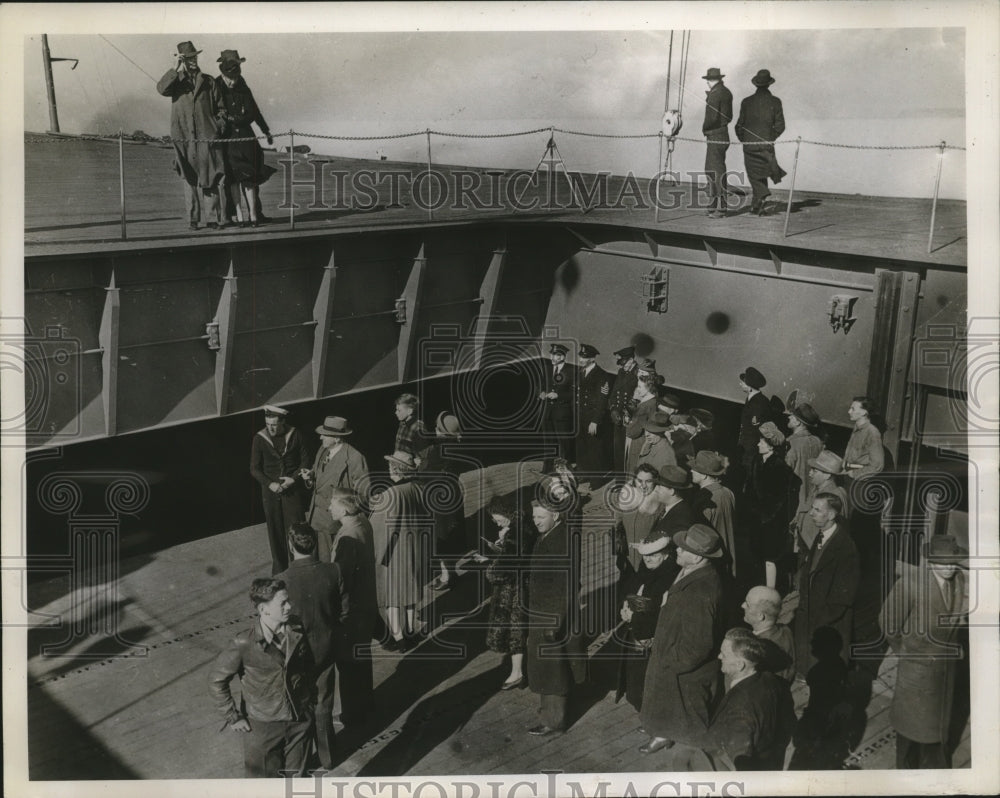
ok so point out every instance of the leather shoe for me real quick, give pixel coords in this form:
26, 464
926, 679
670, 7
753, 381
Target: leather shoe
514, 685
656, 744
542, 730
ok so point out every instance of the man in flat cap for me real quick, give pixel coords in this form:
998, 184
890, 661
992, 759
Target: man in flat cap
558, 397
196, 119
761, 121
621, 403
593, 434
756, 410
715, 128
923, 618
278, 458
337, 465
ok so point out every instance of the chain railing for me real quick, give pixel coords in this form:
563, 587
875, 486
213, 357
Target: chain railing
941, 148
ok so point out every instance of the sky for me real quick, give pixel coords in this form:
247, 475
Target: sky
880, 86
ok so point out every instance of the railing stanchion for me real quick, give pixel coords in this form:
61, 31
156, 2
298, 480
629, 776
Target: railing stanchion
659, 162
937, 187
791, 188
121, 179
430, 209
291, 199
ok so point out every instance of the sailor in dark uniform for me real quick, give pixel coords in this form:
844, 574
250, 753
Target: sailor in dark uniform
558, 398
756, 411
621, 403
593, 435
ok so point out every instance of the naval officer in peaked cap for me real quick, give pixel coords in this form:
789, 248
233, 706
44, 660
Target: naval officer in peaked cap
593, 433
278, 457
558, 397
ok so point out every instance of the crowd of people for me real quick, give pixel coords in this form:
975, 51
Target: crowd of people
739, 563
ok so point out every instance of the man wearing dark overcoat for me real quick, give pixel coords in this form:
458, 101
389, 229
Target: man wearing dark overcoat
921, 618
621, 403
278, 457
715, 128
354, 553
558, 397
753, 723
756, 410
553, 653
593, 433
681, 679
337, 465
316, 591
195, 121
761, 121
828, 582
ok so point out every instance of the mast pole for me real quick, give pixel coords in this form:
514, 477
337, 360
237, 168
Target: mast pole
50, 85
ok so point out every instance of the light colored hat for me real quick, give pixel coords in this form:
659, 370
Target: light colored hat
447, 424
403, 460
335, 426
274, 410
771, 433
945, 549
652, 544
712, 464
827, 462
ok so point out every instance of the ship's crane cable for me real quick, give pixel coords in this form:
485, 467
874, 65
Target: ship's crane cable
133, 63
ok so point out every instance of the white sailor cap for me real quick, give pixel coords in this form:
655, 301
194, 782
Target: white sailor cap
274, 410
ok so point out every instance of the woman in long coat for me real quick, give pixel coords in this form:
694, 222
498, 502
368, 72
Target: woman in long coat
508, 558
640, 595
245, 167
401, 527
771, 500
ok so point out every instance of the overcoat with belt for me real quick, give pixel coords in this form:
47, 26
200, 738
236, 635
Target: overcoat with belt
682, 675
828, 585
553, 607
921, 624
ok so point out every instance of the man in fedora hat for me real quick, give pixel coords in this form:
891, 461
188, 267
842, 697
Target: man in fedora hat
621, 404
278, 458
337, 465
593, 429
824, 468
196, 119
756, 410
803, 443
715, 501
681, 679
718, 115
760, 123
923, 618
677, 513
558, 397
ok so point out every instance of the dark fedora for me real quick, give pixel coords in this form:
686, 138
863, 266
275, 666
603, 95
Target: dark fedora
804, 413
658, 422
704, 417
701, 540
713, 74
230, 55
626, 352
762, 78
667, 399
672, 476
944, 549
712, 464
335, 426
187, 50
558, 349
753, 378
586, 350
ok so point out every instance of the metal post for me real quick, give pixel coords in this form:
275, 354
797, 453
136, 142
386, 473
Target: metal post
791, 188
430, 211
291, 199
121, 178
937, 186
659, 169
50, 86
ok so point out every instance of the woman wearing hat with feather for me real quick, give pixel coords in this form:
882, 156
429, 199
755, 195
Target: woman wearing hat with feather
771, 500
641, 594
